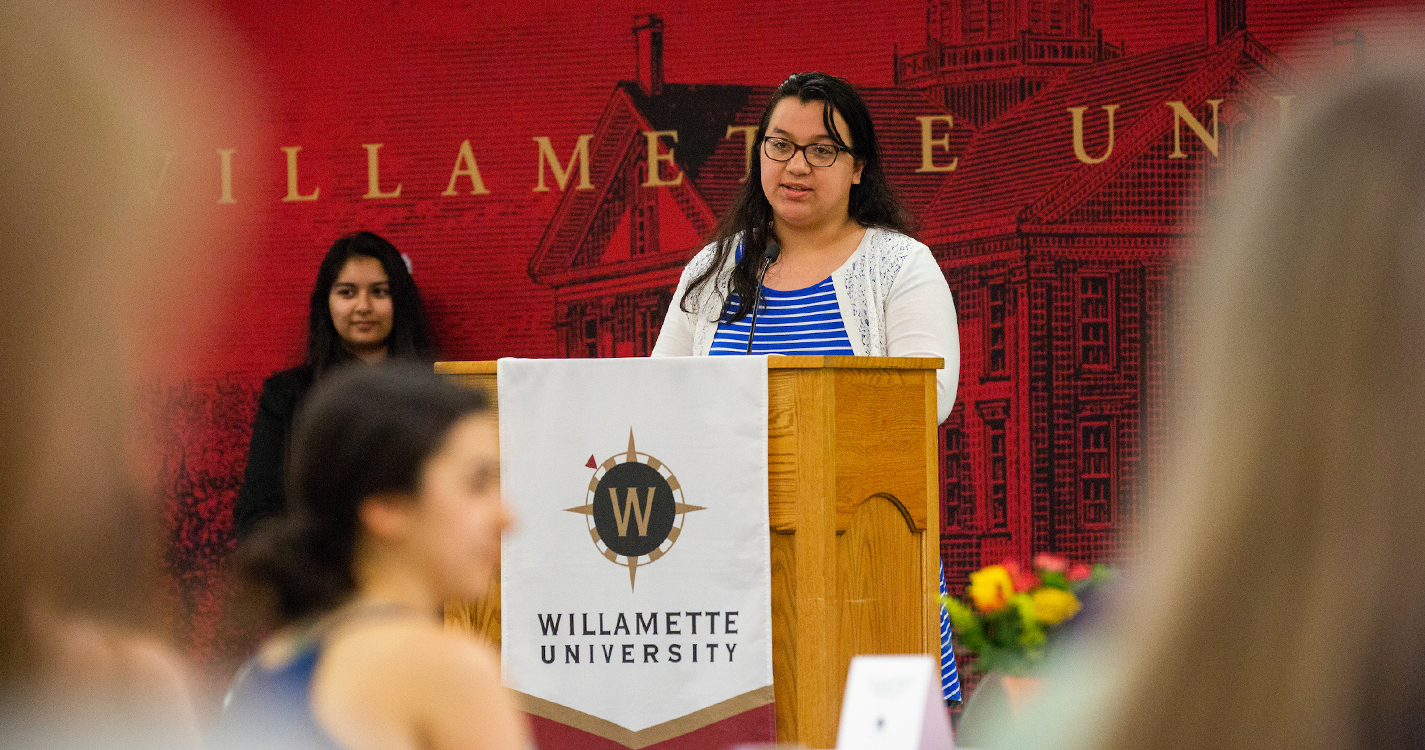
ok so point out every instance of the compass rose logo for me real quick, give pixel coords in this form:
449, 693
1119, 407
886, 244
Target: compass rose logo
634, 507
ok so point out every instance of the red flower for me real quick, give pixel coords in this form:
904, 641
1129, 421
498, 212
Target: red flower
1078, 572
1023, 580
1051, 563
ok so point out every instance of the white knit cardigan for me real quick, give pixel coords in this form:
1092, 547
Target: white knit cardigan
893, 298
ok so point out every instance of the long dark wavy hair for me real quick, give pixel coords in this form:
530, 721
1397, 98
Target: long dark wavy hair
363, 431
873, 201
409, 339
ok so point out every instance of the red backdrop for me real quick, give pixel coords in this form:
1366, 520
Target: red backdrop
1061, 250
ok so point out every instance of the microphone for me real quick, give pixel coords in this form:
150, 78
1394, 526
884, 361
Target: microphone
768, 258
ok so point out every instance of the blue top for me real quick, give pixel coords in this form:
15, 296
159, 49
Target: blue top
800, 321
272, 708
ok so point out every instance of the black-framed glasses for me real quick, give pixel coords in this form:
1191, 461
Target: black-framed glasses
817, 154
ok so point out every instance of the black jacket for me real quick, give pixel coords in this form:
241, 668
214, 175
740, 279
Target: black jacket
263, 495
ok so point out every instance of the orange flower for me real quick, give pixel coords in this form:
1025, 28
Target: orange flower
1079, 572
990, 588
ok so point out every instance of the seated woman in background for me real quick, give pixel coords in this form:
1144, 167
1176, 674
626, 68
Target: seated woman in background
364, 308
1280, 598
396, 508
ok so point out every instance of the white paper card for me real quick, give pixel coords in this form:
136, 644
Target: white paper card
893, 703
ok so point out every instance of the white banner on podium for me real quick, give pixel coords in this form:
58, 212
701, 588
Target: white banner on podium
636, 586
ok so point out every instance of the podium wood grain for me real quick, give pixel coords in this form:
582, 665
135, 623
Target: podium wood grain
853, 491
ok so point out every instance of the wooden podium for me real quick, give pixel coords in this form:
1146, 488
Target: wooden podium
853, 494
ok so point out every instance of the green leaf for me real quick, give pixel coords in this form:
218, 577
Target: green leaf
1054, 580
965, 624
961, 616
1099, 574
1031, 631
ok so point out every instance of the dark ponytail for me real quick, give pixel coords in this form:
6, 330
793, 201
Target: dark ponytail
363, 431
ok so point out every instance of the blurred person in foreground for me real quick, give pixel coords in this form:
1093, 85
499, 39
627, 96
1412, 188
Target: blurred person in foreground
95, 298
394, 483
1280, 598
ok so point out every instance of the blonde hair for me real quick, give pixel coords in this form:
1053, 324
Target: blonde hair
1281, 599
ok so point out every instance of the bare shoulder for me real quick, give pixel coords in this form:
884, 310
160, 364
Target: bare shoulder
97, 657
428, 649
408, 636
133, 673
155, 664
415, 679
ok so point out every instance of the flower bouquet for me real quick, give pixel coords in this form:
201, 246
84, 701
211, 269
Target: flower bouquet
1012, 611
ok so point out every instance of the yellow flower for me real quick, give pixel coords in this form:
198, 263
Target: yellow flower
1053, 606
990, 588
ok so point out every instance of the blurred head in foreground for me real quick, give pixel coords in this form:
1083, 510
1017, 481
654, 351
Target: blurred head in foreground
1280, 599
394, 476
396, 509
96, 248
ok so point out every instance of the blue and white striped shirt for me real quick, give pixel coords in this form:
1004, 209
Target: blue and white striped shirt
808, 321
800, 321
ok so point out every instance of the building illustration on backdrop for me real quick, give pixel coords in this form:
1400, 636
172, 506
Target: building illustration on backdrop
982, 58
1058, 174
613, 252
1079, 172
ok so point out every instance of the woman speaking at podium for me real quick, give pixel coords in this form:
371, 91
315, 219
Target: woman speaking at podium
820, 245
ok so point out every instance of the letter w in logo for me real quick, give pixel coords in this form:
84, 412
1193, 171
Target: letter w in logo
640, 514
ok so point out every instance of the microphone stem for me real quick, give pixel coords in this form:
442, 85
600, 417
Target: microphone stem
756, 296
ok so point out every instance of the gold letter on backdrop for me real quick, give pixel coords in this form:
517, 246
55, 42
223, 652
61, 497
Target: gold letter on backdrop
561, 176
373, 173
292, 194
225, 174
1078, 114
927, 161
465, 165
1181, 113
749, 136
656, 159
